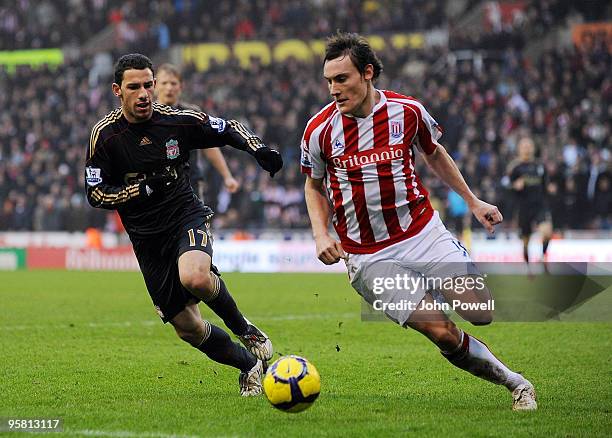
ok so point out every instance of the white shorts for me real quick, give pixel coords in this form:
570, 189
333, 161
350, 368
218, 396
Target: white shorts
395, 279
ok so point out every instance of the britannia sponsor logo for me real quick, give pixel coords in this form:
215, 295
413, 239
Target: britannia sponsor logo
364, 158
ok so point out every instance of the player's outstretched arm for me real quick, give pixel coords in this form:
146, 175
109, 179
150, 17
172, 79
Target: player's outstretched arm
329, 250
218, 132
446, 169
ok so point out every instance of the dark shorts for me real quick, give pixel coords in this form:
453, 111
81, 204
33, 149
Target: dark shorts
158, 260
528, 216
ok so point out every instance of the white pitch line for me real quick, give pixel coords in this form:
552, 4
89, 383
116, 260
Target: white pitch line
150, 323
127, 434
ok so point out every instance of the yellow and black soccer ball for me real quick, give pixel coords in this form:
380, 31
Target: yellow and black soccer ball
292, 384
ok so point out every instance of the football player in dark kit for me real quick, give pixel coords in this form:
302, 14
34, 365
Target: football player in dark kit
528, 179
135, 164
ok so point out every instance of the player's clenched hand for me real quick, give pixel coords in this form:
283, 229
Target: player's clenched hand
488, 215
269, 159
519, 185
231, 184
329, 250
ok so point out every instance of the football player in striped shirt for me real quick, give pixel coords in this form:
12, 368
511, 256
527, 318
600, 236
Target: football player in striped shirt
358, 154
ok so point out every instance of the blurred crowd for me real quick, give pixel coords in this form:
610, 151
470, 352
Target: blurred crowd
485, 104
521, 22
35, 24
564, 101
155, 24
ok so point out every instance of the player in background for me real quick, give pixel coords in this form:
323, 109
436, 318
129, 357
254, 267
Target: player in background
136, 165
168, 90
528, 179
358, 157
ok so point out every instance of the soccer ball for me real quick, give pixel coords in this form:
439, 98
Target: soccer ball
292, 384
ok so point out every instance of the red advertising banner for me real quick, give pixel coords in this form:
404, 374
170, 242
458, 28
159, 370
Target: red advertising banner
115, 259
46, 258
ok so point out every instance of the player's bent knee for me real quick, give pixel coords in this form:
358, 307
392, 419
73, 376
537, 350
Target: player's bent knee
199, 282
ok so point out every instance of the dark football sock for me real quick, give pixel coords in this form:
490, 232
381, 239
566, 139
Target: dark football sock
220, 348
526, 253
225, 307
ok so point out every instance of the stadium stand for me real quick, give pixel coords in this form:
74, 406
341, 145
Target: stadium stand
26, 24
30, 24
562, 97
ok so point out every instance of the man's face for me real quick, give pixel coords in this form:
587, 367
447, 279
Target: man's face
526, 149
168, 88
136, 94
347, 86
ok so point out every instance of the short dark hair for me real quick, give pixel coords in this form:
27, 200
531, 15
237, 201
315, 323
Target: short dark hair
358, 49
131, 61
171, 69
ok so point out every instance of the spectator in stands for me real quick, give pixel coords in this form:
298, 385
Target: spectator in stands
561, 98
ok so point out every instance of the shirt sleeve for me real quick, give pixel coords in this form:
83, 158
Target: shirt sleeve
100, 193
514, 172
209, 132
311, 161
428, 131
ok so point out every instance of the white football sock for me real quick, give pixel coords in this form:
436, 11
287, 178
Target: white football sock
475, 357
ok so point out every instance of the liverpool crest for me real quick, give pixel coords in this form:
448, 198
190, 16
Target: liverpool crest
172, 149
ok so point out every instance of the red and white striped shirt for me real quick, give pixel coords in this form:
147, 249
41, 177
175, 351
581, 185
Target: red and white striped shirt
368, 166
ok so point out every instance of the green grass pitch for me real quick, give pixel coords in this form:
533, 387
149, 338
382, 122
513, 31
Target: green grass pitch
89, 348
